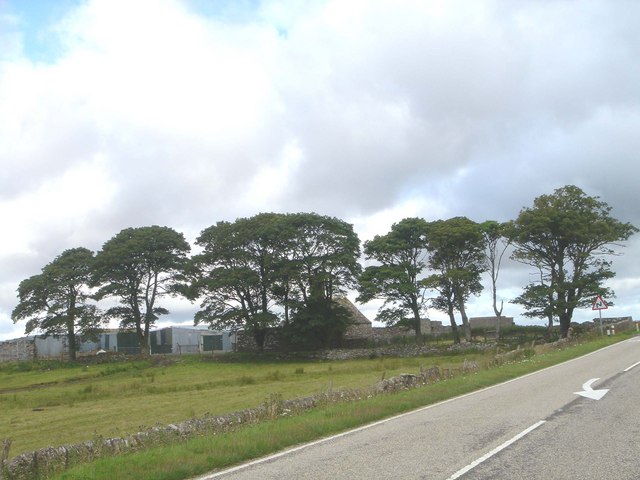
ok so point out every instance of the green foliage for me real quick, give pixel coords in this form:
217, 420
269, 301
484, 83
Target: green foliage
257, 272
56, 301
401, 257
202, 454
139, 266
566, 236
457, 248
319, 324
236, 273
497, 243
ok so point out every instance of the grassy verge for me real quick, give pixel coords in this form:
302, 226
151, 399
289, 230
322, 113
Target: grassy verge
203, 454
55, 405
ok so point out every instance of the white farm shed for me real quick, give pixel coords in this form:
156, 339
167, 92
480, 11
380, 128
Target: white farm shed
181, 340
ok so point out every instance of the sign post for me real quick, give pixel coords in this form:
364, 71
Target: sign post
599, 304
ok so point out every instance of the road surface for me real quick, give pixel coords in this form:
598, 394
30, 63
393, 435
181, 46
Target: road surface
533, 427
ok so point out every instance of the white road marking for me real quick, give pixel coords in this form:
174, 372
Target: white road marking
589, 392
629, 368
380, 422
496, 450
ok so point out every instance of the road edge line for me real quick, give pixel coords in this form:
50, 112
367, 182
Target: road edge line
495, 451
242, 466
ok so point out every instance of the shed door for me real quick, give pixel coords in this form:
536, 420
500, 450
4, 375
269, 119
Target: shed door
211, 343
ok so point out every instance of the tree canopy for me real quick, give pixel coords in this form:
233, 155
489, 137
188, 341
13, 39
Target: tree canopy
497, 243
237, 273
566, 236
139, 266
397, 277
457, 249
56, 301
256, 272
289, 270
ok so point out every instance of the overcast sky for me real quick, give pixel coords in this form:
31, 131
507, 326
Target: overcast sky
128, 113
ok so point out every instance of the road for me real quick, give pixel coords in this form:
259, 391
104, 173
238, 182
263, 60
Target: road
533, 427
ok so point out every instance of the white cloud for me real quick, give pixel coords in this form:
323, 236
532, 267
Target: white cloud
155, 112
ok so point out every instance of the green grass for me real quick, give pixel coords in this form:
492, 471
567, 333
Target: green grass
61, 404
45, 404
203, 454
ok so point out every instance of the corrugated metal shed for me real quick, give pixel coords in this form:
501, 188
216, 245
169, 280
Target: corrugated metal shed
181, 340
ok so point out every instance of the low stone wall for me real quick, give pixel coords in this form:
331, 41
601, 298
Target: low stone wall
411, 350
47, 461
20, 349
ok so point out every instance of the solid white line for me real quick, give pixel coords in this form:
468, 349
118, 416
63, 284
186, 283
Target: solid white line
498, 449
629, 368
390, 419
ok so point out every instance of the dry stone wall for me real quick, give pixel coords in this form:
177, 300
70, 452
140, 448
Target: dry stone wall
16, 350
48, 461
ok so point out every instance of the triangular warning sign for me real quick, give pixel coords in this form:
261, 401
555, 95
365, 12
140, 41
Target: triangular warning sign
599, 304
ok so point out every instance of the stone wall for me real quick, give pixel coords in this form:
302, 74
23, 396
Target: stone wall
246, 342
46, 462
17, 350
358, 330
490, 322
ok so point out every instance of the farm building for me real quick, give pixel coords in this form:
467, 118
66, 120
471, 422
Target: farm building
114, 340
32, 347
170, 340
490, 322
180, 340
17, 349
361, 328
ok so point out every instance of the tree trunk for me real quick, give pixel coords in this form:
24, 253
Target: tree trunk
565, 323
417, 322
145, 347
259, 335
466, 325
71, 325
454, 327
498, 313
71, 340
465, 320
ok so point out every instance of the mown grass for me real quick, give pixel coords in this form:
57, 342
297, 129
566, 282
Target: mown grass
54, 404
203, 454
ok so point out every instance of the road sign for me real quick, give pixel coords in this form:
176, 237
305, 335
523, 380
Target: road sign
599, 304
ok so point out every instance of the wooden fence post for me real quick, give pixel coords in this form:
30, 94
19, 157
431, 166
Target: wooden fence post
4, 457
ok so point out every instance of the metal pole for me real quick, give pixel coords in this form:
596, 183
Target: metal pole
600, 315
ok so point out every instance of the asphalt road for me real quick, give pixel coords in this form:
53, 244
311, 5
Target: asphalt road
534, 427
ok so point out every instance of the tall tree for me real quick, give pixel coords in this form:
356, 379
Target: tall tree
444, 301
457, 256
56, 300
322, 253
537, 299
321, 264
236, 274
255, 271
497, 244
138, 267
566, 236
397, 278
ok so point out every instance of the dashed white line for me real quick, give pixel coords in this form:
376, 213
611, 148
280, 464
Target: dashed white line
629, 368
498, 449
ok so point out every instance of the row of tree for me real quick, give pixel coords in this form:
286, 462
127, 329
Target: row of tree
286, 271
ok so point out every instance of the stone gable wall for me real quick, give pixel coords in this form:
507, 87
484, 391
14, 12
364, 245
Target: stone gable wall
17, 350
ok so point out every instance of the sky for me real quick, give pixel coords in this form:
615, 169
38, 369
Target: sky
129, 113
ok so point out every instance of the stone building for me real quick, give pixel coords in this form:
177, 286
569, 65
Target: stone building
490, 322
18, 349
361, 328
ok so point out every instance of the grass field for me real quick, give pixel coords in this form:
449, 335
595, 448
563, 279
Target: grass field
52, 404
55, 404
